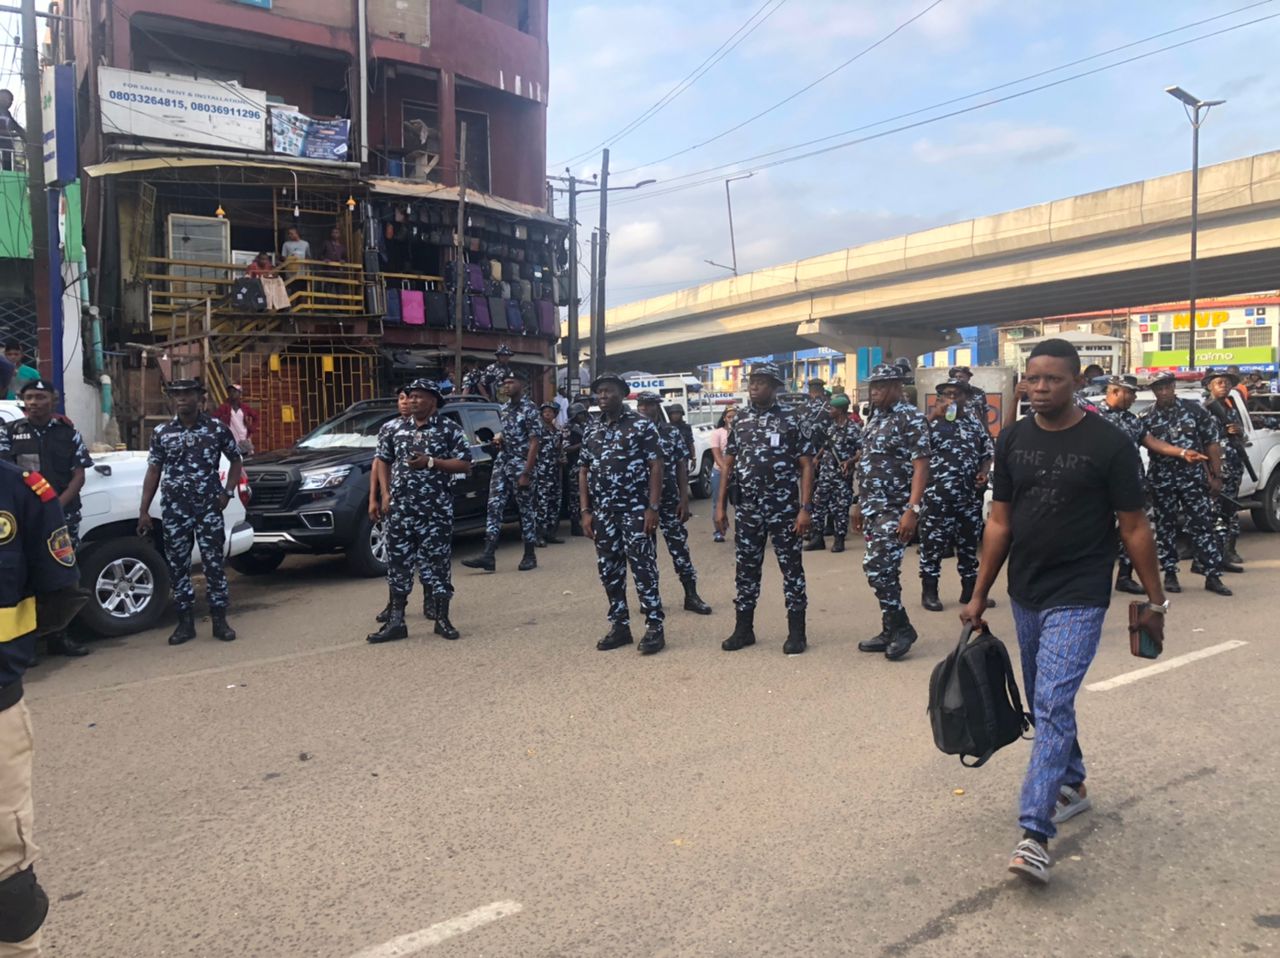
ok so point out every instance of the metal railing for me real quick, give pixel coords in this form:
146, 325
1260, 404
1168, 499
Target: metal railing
312, 287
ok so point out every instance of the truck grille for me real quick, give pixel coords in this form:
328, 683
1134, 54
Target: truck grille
269, 488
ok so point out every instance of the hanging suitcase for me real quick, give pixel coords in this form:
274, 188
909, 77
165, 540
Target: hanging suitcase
393, 315
372, 262
495, 271
439, 310
511, 272
412, 311
498, 312
505, 290
529, 318
475, 278
480, 318
515, 322
526, 291
547, 324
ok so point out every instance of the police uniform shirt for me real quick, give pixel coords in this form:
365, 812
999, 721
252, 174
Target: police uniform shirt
36, 556
956, 451
494, 375
1128, 423
1186, 424
617, 456
471, 381
55, 450
978, 405
520, 423
439, 437
843, 442
819, 422
551, 440
766, 445
671, 443
573, 437
1230, 406
190, 459
891, 443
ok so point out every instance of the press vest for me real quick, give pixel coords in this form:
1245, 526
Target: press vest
50, 451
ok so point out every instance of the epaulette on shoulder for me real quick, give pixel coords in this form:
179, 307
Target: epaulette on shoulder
40, 486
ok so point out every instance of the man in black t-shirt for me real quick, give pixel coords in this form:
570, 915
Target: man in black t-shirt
1063, 478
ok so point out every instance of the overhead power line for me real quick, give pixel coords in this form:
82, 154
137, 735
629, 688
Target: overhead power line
748, 27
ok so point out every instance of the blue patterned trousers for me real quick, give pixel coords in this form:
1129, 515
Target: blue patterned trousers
1058, 646
882, 560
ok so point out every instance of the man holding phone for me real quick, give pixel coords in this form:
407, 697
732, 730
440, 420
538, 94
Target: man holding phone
1062, 480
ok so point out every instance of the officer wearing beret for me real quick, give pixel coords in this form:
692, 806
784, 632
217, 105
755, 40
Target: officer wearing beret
574, 431
496, 373
833, 492
38, 593
769, 455
673, 512
514, 469
423, 451
41, 442
620, 477
892, 476
184, 463
550, 484
960, 454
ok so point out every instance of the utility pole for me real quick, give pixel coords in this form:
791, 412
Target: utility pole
572, 379
597, 346
460, 265
595, 291
39, 202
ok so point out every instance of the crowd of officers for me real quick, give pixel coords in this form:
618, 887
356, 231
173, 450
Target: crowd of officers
790, 479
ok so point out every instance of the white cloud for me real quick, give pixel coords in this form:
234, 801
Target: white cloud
1021, 143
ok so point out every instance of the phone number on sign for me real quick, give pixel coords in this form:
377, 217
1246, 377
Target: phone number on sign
145, 99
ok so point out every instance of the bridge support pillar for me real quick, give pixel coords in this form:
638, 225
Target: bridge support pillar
835, 335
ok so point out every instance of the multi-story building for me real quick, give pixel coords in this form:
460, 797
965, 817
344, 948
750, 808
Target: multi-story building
328, 135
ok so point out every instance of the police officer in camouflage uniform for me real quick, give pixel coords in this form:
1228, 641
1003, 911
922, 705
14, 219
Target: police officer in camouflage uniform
960, 454
496, 373
550, 480
620, 477
1224, 403
769, 456
184, 462
423, 452
514, 470
577, 425
892, 476
978, 403
1180, 487
41, 442
833, 494
673, 512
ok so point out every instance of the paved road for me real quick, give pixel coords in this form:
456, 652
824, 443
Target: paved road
300, 793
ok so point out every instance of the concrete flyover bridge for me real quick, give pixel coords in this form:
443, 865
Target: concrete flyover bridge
1118, 247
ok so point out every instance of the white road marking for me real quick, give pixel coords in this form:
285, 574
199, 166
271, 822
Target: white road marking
418, 941
1165, 666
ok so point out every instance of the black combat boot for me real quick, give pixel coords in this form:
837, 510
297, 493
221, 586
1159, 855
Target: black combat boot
967, 585
59, 643
485, 559
552, 535
692, 601
838, 544
797, 641
443, 625
1214, 584
929, 594
901, 638
1171, 582
540, 539
575, 529
653, 641
386, 613
428, 606
744, 632
1124, 580
619, 635
816, 543
394, 628
530, 561
186, 630
1231, 555
221, 630
878, 643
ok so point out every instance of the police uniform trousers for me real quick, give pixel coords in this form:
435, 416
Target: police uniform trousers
676, 534
946, 521
422, 536
1184, 498
73, 525
832, 499
1228, 519
882, 560
620, 539
181, 523
503, 484
751, 529
575, 507
549, 494
17, 851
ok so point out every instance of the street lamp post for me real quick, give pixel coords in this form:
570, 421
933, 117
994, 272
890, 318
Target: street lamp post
733, 245
1197, 113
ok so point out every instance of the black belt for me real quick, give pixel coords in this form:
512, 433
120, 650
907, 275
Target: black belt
10, 695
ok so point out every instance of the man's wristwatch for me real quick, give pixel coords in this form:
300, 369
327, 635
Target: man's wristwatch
807, 506
654, 506
914, 507
431, 462
1159, 607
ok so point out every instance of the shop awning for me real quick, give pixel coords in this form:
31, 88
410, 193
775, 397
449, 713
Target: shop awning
145, 164
413, 358
449, 194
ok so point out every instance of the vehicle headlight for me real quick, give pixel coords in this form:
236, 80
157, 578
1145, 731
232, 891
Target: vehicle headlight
313, 479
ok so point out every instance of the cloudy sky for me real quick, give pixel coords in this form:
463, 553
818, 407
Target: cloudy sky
613, 60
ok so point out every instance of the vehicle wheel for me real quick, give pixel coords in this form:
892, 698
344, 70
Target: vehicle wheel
367, 554
701, 485
257, 561
1267, 518
128, 583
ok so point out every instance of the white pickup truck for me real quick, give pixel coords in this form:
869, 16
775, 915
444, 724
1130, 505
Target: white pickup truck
127, 576
700, 465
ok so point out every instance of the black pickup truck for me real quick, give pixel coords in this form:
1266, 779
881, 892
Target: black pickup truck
314, 498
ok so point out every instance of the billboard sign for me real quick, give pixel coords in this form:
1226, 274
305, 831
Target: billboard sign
58, 109
154, 107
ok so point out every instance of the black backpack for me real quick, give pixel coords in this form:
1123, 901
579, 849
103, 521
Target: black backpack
974, 705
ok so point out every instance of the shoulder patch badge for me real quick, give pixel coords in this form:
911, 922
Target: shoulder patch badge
8, 528
40, 486
61, 548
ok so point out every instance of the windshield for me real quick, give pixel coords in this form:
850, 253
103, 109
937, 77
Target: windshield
352, 430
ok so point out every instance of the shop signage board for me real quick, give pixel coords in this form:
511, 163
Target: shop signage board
296, 134
154, 107
58, 110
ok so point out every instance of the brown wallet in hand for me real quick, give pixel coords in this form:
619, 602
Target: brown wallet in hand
1141, 642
